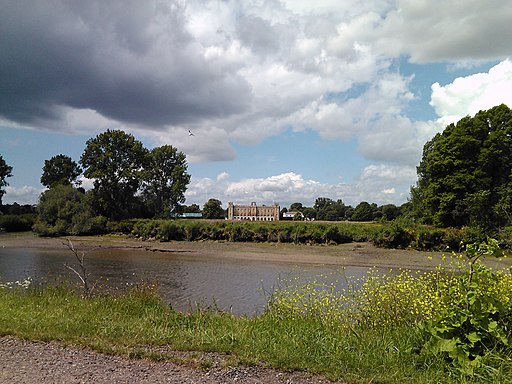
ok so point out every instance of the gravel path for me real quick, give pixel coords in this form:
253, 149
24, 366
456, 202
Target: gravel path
26, 362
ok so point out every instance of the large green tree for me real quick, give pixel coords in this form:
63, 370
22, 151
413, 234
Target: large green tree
465, 174
212, 209
115, 160
328, 209
5, 172
65, 210
166, 180
60, 169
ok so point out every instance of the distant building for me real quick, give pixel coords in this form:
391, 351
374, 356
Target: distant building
291, 215
253, 212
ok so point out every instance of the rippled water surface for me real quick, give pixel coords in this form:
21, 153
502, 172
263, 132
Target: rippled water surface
183, 280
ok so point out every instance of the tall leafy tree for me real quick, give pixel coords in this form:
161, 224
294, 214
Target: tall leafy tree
60, 169
5, 172
115, 160
465, 175
166, 179
328, 209
364, 211
212, 209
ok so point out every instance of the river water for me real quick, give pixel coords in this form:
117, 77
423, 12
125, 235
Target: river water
239, 286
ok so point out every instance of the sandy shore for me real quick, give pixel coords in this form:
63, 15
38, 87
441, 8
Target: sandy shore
352, 254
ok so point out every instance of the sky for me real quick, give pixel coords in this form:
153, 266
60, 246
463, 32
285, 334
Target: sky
287, 100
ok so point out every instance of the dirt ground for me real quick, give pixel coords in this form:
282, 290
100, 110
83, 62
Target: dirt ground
27, 362
49, 362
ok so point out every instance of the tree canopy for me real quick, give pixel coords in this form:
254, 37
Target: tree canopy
465, 174
213, 210
115, 160
5, 172
60, 169
166, 180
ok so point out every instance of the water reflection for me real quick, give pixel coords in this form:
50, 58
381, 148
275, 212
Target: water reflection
183, 280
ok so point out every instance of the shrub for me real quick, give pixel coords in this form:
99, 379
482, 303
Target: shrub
85, 224
475, 316
124, 226
393, 236
169, 230
193, 231
428, 239
17, 223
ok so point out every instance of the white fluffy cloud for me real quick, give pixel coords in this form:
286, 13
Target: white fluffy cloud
241, 72
378, 183
22, 195
468, 95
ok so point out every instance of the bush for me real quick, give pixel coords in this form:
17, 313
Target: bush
394, 236
85, 224
169, 230
125, 226
475, 314
17, 223
428, 239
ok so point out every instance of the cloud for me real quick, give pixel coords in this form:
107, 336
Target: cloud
128, 61
240, 72
378, 183
469, 95
447, 31
235, 71
22, 195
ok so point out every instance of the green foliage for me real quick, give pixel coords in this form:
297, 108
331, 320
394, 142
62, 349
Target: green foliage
284, 232
327, 209
60, 169
115, 160
464, 177
394, 236
478, 319
166, 180
364, 211
5, 172
213, 210
64, 210
17, 223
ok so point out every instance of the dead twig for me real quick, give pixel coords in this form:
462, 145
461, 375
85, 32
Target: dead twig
82, 274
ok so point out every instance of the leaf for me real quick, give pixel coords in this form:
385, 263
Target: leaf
474, 337
446, 345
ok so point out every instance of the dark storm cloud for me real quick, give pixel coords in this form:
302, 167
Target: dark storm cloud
130, 61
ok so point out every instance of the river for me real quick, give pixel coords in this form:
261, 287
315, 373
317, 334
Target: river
184, 281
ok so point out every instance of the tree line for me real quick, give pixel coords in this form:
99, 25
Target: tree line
464, 180
129, 181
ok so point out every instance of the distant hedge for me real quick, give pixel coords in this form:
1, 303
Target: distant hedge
386, 235
17, 223
247, 231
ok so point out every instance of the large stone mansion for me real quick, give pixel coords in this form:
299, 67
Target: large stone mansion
253, 212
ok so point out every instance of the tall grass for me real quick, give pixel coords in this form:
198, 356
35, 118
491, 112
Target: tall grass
371, 332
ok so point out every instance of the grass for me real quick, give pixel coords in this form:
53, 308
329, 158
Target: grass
350, 336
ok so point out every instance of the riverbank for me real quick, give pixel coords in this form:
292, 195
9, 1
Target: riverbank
137, 337
351, 254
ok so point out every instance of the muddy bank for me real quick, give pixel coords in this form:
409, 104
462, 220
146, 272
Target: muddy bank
351, 254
